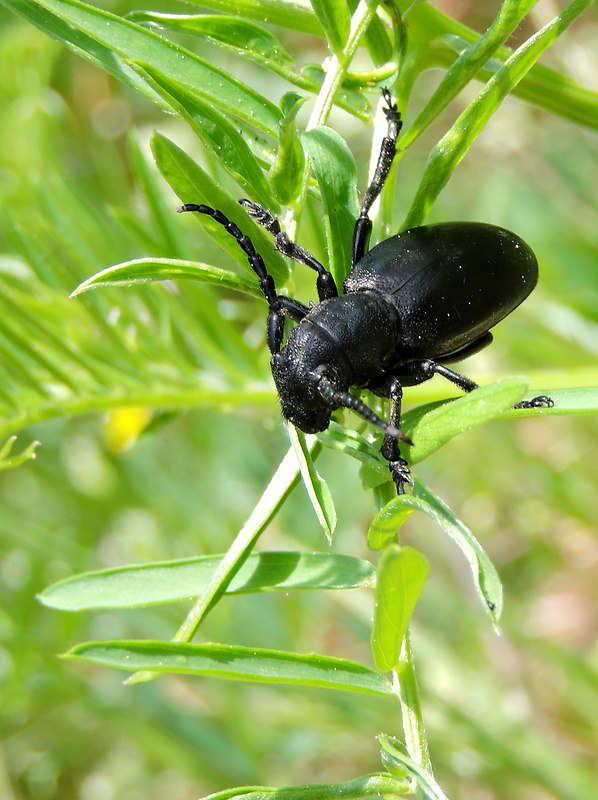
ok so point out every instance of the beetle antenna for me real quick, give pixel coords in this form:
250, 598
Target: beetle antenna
339, 398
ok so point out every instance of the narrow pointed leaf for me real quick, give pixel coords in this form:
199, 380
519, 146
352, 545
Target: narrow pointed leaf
166, 582
236, 663
387, 522
444, 422
217, 133
192, 184
236, 34
334, 18
316, 486
144, 270
336, 173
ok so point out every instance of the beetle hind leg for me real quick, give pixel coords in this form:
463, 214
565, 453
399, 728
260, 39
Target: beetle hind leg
423, 370
397, 465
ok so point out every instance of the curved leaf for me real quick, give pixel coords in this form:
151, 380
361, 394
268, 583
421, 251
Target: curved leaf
216, 132
236, 663
193, 185
386, 523
335, 170
145, 270
402, 572
170, 581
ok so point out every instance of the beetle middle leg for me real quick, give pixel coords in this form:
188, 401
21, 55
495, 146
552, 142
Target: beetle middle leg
325, 284
397, 465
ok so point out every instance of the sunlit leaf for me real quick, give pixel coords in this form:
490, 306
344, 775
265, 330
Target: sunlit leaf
401, 575
237, 663
166, 582
387, 522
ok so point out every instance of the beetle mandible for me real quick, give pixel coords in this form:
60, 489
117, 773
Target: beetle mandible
412, 304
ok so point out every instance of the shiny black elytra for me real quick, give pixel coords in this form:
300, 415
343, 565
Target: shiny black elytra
412, 304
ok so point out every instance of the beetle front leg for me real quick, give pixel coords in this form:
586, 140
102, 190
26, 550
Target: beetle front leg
397, 465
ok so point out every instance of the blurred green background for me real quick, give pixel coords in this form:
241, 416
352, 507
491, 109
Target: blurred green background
508, 717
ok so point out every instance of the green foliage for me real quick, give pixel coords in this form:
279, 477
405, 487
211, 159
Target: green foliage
115, 522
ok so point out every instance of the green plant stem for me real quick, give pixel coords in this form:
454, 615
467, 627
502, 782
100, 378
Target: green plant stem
283, 481
338, 64
405, 686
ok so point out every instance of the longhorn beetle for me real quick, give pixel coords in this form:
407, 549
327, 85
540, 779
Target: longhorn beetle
412, 304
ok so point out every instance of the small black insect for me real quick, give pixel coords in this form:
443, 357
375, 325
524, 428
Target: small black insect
414, 303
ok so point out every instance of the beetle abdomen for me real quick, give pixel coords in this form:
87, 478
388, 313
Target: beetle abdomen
449, 283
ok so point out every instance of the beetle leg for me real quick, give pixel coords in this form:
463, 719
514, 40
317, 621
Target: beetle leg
388, 149
390, 446
429, 368
325, 282
279, 305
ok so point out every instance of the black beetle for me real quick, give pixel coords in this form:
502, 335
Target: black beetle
412, 304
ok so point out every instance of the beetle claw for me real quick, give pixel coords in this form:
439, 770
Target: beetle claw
401, 475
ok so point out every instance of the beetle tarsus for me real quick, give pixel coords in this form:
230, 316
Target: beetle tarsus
541, 401
400, 474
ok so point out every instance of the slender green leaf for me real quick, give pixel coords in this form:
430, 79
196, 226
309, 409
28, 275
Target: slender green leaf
386, 523
236, 663
236, 34
286, 13
286, 174
216, 132
439, 37
144, 270
99, 36
435, 428
472, 57
169, 581
453, 146
334, 18
583, 400
376, 786
336, 173
402, 572
193, 185
316, 486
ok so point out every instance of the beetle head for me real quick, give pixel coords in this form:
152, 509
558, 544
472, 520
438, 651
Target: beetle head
301, 402
309, 396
